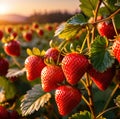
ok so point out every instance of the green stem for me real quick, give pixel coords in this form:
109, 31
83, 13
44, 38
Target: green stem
111, 96
107, 18
107, 110
16, 62
113, 21
95, 18
90, 94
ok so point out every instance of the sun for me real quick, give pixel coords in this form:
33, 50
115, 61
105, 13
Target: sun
3, 8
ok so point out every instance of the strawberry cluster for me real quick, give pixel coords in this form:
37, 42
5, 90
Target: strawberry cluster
63, 78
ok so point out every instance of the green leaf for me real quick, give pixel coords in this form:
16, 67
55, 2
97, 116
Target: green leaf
103, 11
8, 87
117, 101
111, 4
88, 6
100, 56
15, 72
33, 100
36, 51
67, 32
117, 21
78, 19
82, 115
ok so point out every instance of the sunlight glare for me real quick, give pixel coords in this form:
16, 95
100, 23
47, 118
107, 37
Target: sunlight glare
3, 8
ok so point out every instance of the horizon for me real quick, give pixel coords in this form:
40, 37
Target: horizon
31, 6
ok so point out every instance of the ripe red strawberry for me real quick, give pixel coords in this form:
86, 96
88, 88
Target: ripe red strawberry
106, 29
74, 66
51, 77
28, 36
13, 114
35, 25
9, 29
4, 65
34, 65
1, 34
14, 34
40, 32
102, 80
54, 54
116, 49
4, 114
67, 98
12, 48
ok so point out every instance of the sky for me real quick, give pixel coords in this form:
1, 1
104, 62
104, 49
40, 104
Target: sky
27, 7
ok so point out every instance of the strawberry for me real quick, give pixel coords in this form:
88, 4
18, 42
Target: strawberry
1, 34
54, 54
12, 48
102, 80
4, 65
35, 25
116, 49
4, 114
9, 29
34, 65
40, 32
74, 66
13, 114
67, 98
106, 29
28, 36
14, 34
51, 76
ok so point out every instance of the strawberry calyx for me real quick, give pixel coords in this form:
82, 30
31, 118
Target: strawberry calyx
35, 51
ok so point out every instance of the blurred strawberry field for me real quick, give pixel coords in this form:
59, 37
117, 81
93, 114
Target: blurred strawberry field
66, 70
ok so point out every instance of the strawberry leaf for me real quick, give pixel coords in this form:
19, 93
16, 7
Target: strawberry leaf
100, 56
15, 72
70, 29
33, 100
8, 87
78, 19
88, 6
82, 115
117, 21
67, 31
111, 4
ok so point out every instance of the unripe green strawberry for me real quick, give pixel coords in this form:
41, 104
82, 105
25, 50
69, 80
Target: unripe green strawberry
74, 66
102, 80
116, 49
4, 114
51, 77
67, 98
4, 65
34, 65
12, 48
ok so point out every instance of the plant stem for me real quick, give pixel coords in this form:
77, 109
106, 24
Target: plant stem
111, 96
107, 110
90, 94
114, 26
107, 18
16, 62
95, 18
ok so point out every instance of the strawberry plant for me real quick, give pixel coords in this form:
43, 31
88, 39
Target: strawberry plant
85, 83
76, 76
